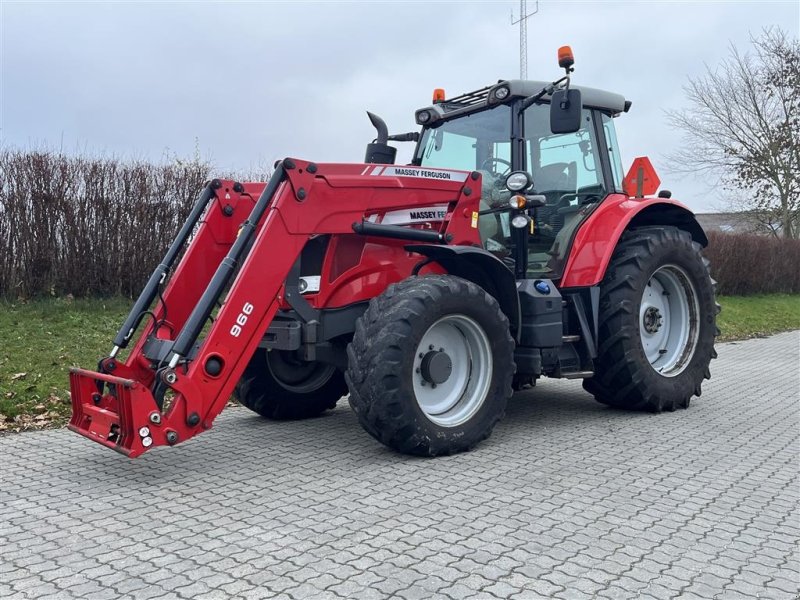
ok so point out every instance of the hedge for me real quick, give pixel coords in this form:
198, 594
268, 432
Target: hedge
98, 226
746, 264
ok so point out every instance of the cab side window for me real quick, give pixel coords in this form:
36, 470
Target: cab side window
561, 163
613, 151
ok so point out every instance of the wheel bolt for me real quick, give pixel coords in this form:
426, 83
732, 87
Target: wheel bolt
430, 347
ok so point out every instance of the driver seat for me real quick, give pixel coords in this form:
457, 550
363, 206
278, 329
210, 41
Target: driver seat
561, 177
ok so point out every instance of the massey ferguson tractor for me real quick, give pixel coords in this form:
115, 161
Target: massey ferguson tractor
511, 248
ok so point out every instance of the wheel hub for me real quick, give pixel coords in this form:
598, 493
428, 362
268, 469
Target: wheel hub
668, 320
436, 367
652, 319
452, 370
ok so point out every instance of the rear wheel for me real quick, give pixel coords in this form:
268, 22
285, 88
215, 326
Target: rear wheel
657, 322
278, 387
430, 366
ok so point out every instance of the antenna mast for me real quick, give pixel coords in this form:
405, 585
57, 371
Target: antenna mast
523, 35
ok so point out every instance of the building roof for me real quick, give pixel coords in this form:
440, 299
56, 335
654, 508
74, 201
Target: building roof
730, 222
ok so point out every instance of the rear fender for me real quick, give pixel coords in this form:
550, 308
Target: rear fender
482, 268
598, 236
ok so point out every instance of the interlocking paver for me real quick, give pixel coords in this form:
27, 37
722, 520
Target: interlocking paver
568, 499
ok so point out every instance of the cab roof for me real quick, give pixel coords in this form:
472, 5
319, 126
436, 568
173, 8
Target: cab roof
485, 97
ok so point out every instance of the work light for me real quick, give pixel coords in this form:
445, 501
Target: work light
502, 92
520, 221
518, 181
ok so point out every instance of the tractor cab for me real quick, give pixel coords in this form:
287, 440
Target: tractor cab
553, 173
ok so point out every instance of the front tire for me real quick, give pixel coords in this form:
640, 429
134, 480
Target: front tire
657, 322
430, 366
279, 388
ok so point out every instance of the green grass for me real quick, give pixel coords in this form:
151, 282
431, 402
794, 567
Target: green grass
756, 316
40, 340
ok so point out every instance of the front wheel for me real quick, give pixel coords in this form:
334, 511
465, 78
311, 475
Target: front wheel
657, 322
430, 366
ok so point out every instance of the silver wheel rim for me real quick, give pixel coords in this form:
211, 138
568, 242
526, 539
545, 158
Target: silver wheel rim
668, 320
455, 400
296, 376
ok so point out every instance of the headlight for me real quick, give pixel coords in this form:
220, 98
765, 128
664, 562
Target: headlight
502, 92
518, 181
308, 284
520, 221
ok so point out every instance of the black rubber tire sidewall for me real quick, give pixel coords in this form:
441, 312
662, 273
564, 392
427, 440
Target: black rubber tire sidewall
623, 374
260, 392
381, 363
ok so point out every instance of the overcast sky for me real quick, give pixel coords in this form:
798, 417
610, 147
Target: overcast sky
250, 82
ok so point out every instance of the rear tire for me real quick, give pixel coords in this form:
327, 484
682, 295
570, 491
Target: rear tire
430, 366
280, 389
657, 322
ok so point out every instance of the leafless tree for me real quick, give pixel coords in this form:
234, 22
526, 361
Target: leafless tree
743, 126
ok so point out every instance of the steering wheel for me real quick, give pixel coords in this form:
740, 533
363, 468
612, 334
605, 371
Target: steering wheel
562, 197
488, 165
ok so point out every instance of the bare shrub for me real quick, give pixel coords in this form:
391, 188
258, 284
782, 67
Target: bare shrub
752, 264
87, 227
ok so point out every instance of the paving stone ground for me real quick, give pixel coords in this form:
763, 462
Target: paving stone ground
568, 499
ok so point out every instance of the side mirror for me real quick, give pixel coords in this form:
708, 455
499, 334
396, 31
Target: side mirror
565, 111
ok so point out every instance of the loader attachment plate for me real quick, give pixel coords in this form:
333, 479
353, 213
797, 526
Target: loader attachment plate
112, 411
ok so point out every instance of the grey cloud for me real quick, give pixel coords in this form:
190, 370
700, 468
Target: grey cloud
256, 81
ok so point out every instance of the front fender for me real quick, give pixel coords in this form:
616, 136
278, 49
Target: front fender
482, 268
597, 237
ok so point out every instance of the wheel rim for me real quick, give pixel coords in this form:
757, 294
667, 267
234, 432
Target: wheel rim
668, 320
452, 370
298, 376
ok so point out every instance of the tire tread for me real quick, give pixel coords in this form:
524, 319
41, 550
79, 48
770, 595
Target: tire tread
621, 378
377, 354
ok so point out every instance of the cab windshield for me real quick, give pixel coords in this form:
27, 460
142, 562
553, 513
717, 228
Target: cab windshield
565, 168
481, 142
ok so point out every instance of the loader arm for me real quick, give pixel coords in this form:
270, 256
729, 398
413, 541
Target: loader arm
242, 268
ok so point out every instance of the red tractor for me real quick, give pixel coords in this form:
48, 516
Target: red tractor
509, 249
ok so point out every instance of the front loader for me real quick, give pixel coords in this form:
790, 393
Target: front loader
511, 248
